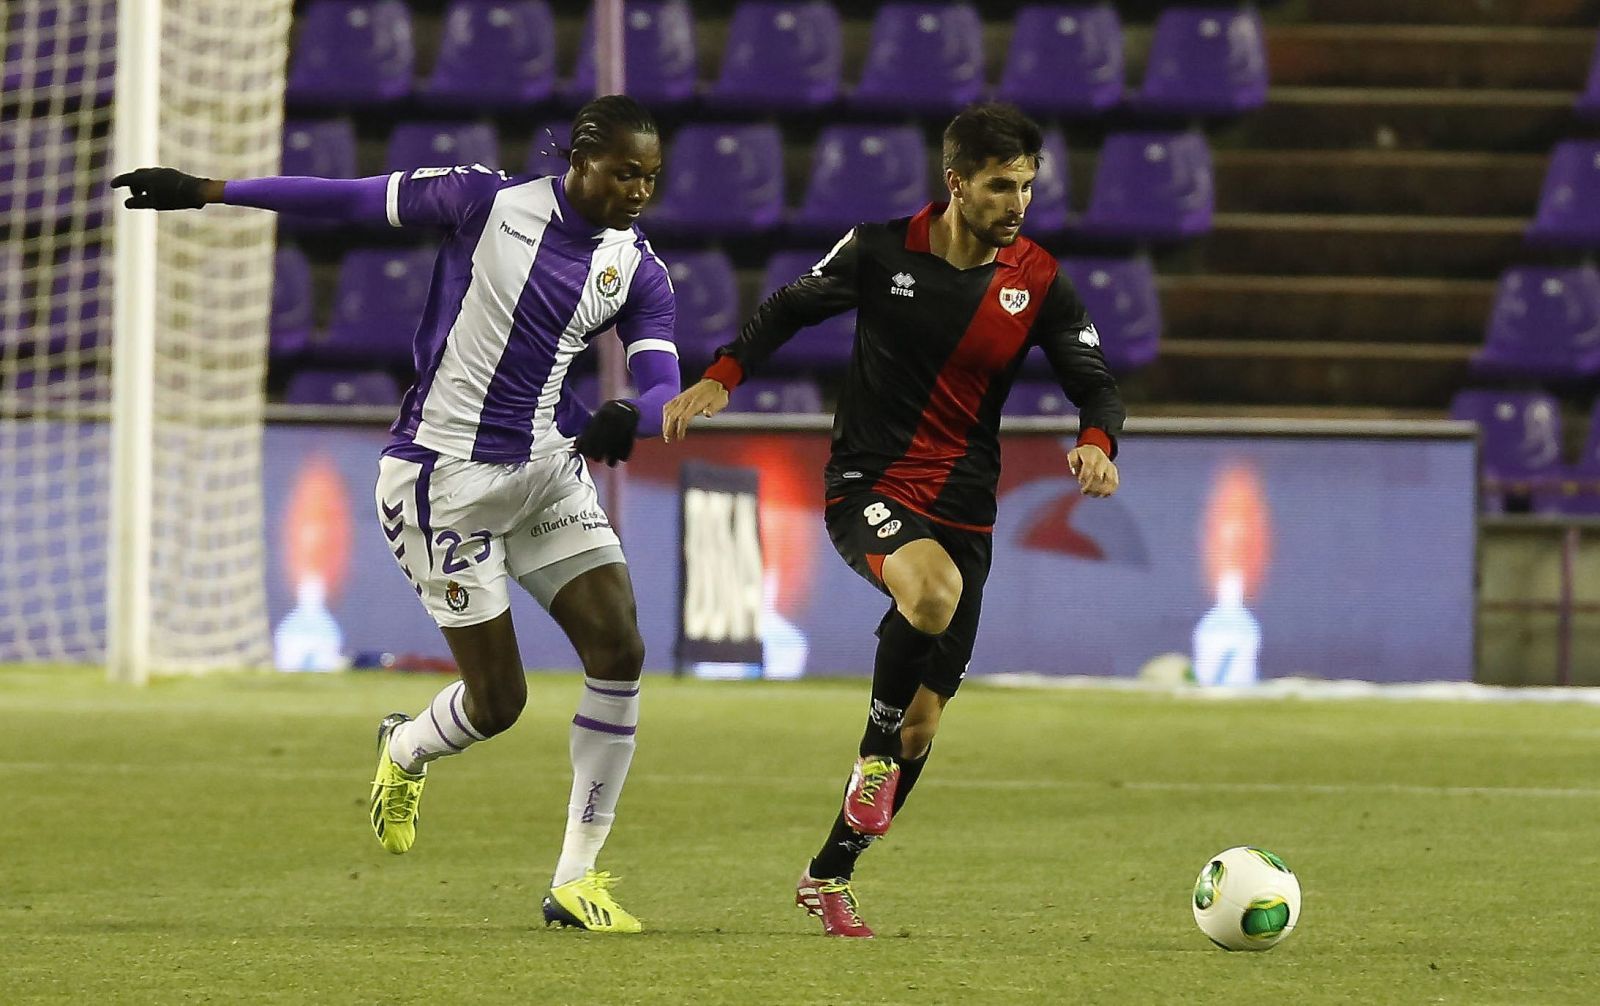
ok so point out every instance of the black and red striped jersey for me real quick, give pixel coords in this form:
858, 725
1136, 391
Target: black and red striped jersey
936, 351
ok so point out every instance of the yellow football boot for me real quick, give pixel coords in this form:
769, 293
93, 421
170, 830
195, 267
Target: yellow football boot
395, 794
587, 904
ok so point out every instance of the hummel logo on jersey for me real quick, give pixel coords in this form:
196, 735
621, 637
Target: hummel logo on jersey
903, 282
1089, 337
1013, 300
508, 229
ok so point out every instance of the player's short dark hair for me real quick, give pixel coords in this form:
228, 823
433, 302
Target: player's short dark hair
599, 123
992, 129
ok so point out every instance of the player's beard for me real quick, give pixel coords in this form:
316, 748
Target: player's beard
994, 235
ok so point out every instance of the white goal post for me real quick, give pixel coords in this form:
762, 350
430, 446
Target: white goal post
131, 373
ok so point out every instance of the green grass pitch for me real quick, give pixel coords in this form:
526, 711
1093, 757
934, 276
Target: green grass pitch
206, 840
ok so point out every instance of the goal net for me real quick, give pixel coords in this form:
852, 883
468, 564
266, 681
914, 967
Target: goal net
134, 345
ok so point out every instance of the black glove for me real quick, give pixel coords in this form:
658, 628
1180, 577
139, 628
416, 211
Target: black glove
609, 435
160, 189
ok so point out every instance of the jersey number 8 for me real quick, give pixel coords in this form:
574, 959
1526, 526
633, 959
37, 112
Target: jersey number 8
875, 514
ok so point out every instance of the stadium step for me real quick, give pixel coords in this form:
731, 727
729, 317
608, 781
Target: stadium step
1568, 13
1331, 374
1404, 118
1346, 245
1378, 181
1334, 308
1429, 56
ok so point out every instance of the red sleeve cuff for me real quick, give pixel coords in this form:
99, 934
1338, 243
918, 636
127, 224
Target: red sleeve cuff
726, 372
1098, 437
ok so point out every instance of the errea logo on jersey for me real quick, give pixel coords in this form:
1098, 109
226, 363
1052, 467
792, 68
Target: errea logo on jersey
903, 282
1089, 337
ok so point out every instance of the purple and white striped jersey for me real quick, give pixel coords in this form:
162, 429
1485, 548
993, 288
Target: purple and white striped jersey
520, 286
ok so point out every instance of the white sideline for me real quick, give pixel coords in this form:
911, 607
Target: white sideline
1309, 688
704, 780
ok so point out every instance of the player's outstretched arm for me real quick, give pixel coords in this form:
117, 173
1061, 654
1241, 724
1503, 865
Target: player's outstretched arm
827, 289
347, 200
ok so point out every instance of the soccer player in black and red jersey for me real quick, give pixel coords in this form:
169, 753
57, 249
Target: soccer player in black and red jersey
950, 301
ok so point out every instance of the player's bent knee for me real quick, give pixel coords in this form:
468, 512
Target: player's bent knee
933, 602
495, 710
620, 658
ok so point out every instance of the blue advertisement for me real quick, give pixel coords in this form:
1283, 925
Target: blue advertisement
1247, 557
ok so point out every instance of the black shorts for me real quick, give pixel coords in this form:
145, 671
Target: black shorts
868, 527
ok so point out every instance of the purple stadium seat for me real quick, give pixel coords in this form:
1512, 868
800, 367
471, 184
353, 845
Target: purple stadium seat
1151, 187
496, 54
923, 58
1064, 60
542, 156
708, 304
376, 308
342, 387
1205, 61
1569, 204
36, 60
1519, 447
1545, 325
351, 54
777, 396
36, 171
723, 179
440, 144
289, 331
1050, 210
821, 347
659, 54
324, 148
1588, 105
1120, 296
863, 173
1038, 398
780, 56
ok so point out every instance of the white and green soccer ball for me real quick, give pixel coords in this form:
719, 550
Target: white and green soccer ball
1246, 899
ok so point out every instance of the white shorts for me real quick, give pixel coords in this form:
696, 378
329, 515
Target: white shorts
458, 527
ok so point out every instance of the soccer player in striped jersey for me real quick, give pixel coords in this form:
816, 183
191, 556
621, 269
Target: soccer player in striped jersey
949, 303
484, 479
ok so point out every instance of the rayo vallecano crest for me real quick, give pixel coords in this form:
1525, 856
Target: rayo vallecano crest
1013, 300
609, 282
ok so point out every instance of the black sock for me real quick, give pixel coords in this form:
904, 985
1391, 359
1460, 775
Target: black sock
903, 654
837, 858
910, 772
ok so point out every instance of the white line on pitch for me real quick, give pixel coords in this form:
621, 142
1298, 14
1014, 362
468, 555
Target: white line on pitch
277, 771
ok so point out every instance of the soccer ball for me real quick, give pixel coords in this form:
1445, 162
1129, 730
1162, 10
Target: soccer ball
1246, 899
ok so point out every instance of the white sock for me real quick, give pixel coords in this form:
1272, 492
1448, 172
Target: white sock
602, 748
439, 730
